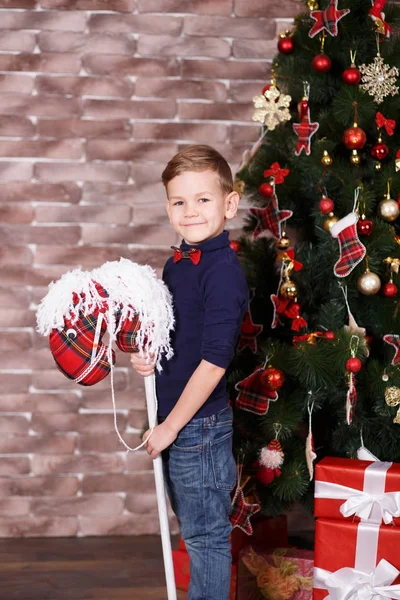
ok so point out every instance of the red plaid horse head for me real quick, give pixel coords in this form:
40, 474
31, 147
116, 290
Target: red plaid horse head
78, 349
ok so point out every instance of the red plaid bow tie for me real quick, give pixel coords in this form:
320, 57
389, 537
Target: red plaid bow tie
193, 254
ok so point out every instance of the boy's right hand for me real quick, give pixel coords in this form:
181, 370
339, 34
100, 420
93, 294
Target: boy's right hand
142, 365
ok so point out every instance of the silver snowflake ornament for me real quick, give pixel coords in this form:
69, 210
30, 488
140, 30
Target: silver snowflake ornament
378, 79
272, 108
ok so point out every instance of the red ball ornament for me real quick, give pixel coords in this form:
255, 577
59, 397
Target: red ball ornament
265, 475
266, 190
285, 45
330, 335
354, 138
235, 245
390, 290
321, 63
326, 205
379, 151
365, 226
272, 378
351, 76
266, 88
353, 364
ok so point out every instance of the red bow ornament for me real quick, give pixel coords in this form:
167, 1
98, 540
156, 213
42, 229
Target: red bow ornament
193, 254
277, 173
388, 124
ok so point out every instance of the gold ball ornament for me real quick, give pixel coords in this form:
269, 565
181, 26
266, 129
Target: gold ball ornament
354, 158
369, 283
388, 209
312, 4
330, 221
283, 243
326, 159
288, 289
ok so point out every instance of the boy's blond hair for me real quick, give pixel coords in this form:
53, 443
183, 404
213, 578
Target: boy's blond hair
199, 157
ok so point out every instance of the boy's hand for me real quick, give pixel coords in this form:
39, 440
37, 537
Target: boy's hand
162, 437
142, 365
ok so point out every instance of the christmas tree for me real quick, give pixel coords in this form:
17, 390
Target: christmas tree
316, 368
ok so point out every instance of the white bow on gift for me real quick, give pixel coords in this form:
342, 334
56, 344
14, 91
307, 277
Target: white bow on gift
371, 504
351, 584
362, 504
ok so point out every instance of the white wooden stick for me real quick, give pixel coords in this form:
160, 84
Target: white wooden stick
151, 401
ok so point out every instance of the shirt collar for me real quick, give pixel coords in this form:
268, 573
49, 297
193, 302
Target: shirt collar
220, 241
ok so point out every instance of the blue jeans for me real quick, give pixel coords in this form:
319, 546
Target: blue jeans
200, 472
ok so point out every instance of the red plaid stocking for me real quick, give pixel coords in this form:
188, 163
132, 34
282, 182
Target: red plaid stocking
352, 251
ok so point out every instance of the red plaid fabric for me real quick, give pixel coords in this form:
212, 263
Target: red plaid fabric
352, 251
304, 130
72, 350
252, 395
270, 218
327, 19
126, 337
248, 333
241, 512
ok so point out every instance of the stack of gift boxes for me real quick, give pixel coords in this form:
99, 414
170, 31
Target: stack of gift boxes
357, 536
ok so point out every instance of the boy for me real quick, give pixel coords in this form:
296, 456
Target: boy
195, 420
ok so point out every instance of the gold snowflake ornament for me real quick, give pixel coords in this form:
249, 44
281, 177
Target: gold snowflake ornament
378, 79
272, 108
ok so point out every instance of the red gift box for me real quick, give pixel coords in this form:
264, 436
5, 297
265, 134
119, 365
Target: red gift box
182, 572
354, 489
355, 557
283, 574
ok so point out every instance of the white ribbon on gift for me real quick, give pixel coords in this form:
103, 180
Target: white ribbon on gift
371, 504
352, 584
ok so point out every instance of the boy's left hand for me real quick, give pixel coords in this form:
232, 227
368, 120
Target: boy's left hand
162, 437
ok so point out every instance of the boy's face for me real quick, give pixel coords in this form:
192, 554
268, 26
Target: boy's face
197, 207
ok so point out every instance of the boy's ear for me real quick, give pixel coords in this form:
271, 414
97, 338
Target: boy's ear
231, 205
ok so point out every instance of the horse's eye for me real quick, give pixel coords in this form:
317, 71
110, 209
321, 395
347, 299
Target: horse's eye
71, 333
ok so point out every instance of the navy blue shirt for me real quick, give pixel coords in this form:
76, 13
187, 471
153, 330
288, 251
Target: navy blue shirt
210, 300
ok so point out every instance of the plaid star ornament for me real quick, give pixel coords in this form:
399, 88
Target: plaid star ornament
304, 130
327, 19
241, 512
270, 218
253, 395
394, 340
248, 333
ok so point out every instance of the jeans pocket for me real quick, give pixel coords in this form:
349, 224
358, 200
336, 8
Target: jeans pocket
223, 462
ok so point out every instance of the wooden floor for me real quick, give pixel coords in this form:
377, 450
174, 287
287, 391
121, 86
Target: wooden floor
109, 568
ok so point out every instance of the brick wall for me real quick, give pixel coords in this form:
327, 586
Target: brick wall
95, 97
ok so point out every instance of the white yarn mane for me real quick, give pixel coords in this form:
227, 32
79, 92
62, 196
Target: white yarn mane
133, 290
59, 301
